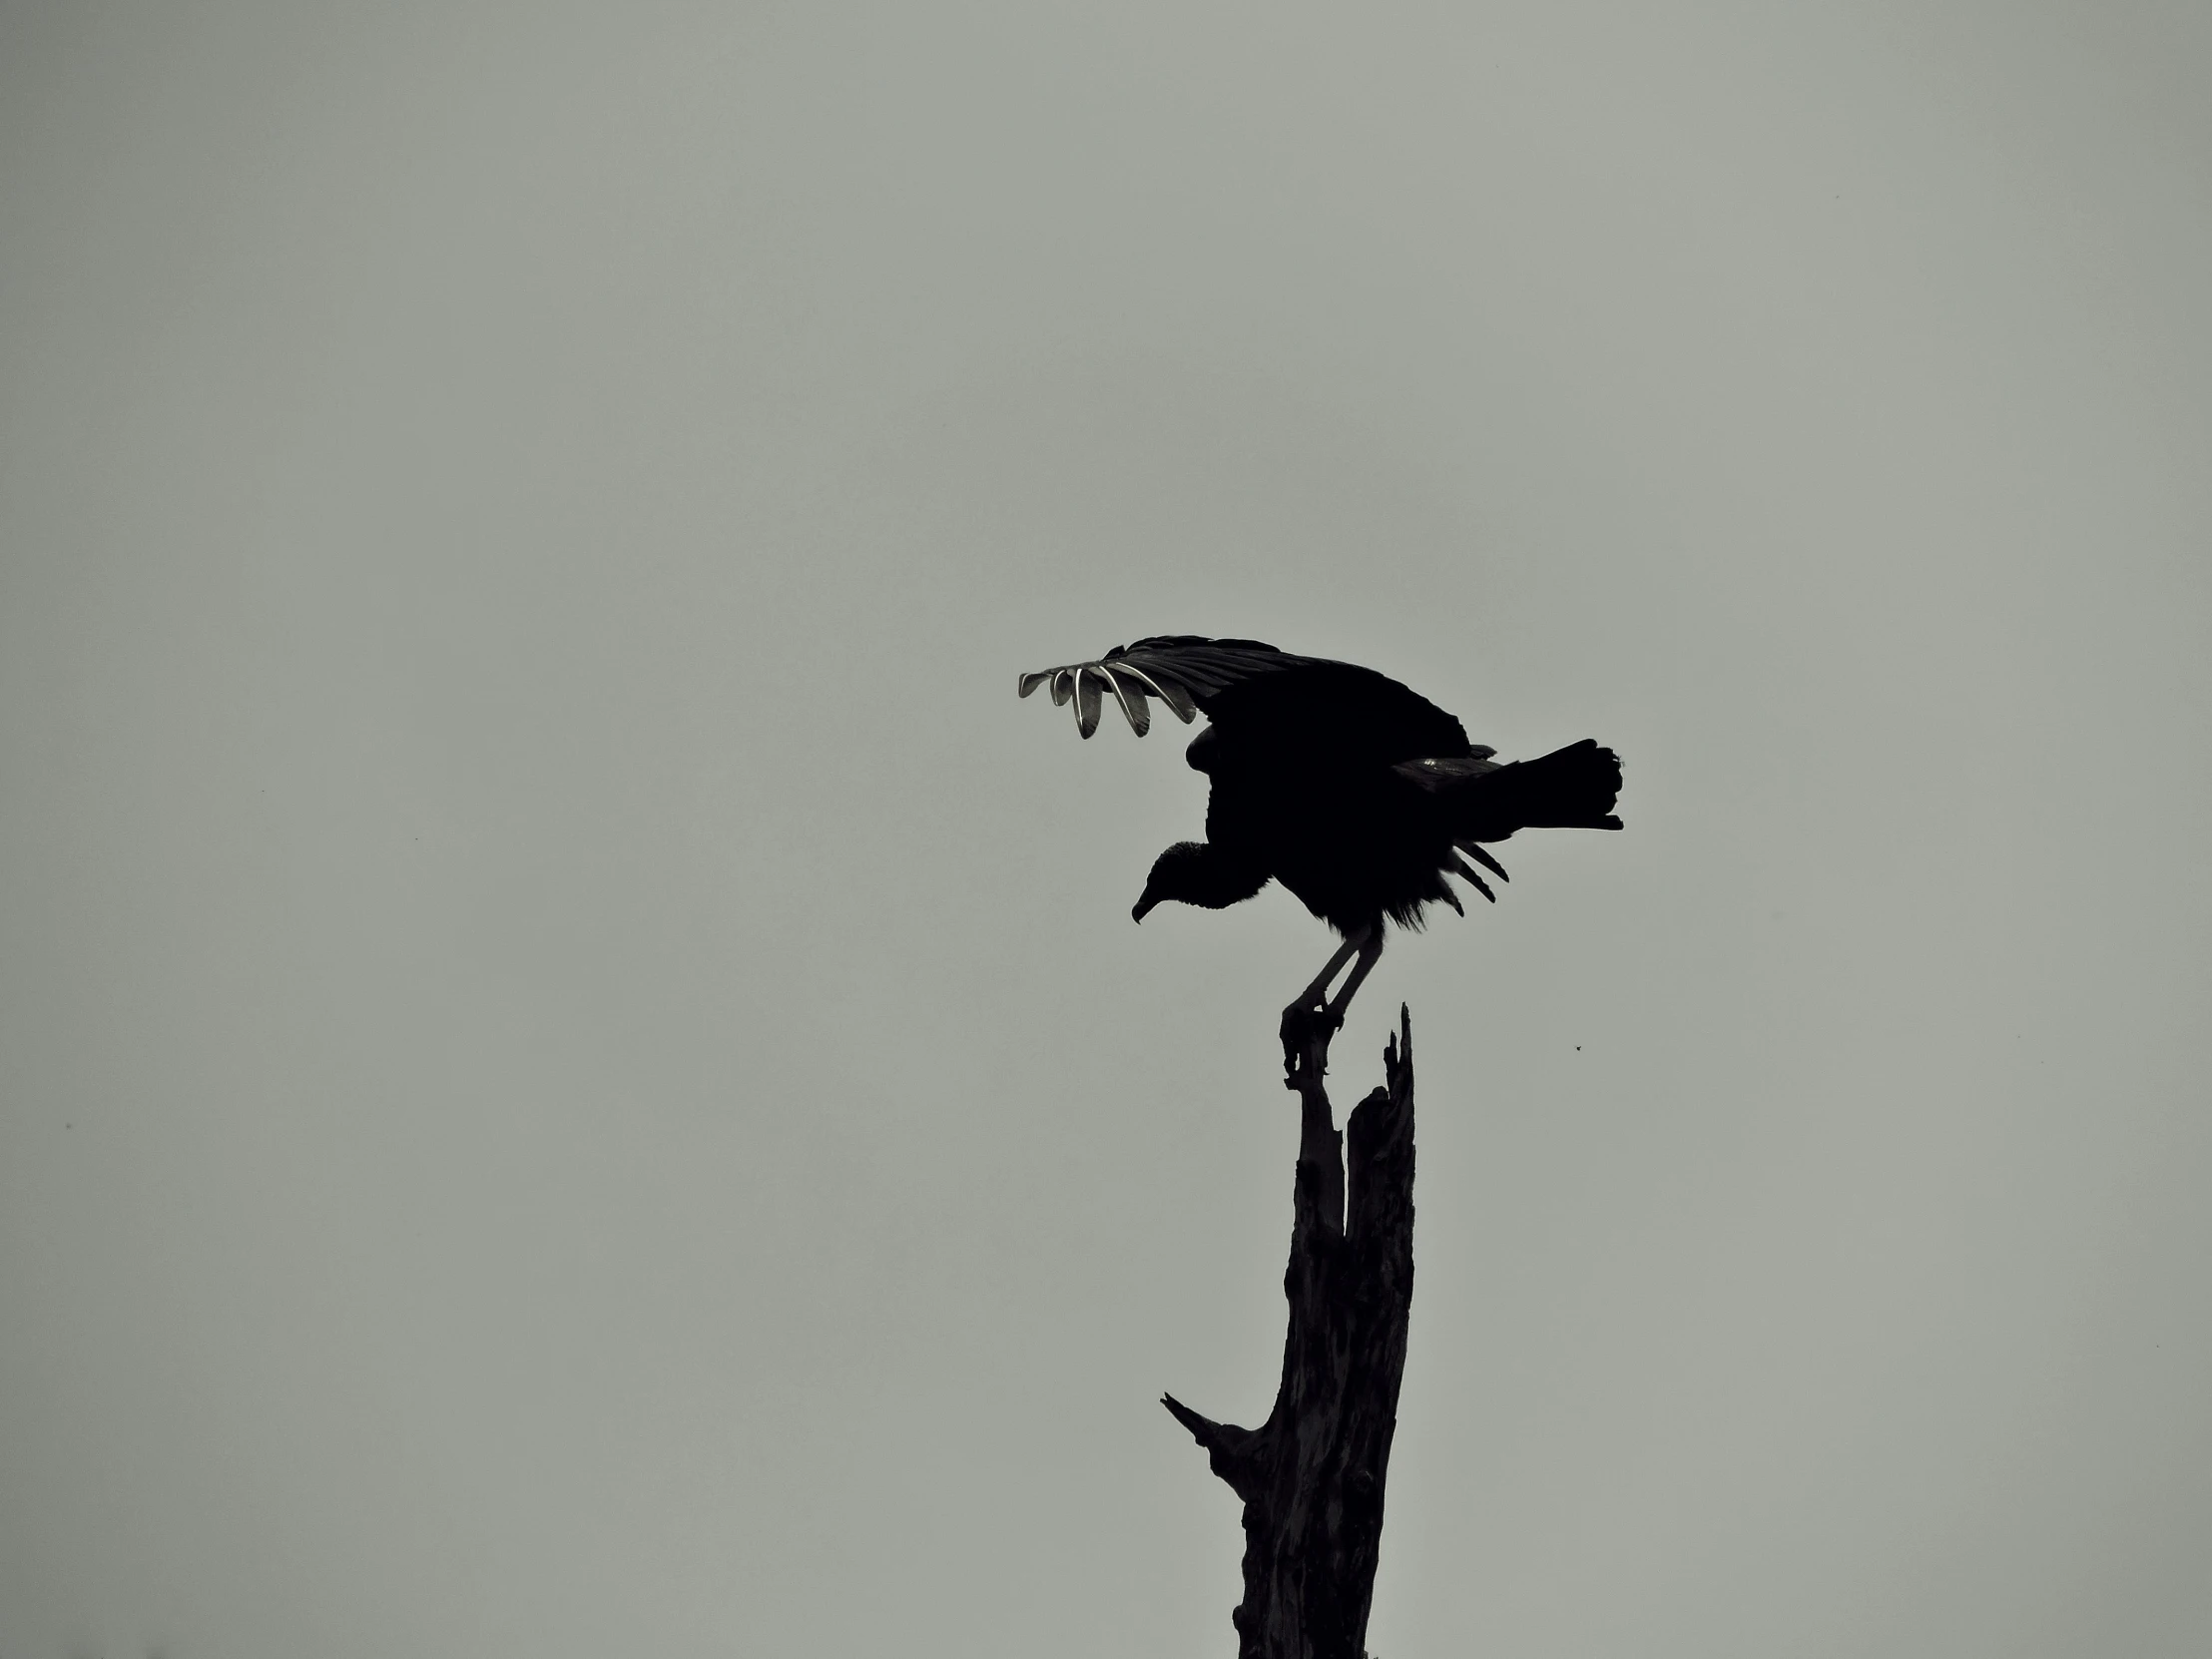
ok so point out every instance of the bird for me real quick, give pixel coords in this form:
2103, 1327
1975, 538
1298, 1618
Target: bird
1358, 795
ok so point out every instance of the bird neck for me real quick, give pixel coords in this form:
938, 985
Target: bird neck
1213, 877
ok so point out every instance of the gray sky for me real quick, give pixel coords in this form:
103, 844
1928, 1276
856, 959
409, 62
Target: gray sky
575, 1077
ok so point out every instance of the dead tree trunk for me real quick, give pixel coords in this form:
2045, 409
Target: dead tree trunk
1312, 1476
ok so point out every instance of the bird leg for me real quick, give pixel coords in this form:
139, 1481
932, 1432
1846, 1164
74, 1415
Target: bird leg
1316, 995
1370, 951
1309, 1022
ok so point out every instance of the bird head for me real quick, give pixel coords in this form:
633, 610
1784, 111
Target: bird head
1197, 872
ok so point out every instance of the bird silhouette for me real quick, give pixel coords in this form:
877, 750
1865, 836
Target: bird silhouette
1354, 792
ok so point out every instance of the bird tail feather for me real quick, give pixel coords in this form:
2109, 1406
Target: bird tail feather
1575, 788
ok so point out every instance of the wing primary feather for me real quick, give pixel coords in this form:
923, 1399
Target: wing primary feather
1178, 698
1131, 697
1087, 699
1474, 849
1063, 686
1166, 690
1460, 868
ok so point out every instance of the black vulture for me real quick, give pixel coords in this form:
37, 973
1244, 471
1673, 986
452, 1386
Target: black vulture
1354, 792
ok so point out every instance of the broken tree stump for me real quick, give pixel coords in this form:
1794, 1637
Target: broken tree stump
1312, 1476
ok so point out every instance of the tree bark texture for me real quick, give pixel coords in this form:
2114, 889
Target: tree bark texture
1312, 1476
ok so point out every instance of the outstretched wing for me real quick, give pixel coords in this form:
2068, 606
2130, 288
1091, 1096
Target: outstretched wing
1182, 670
1264, 702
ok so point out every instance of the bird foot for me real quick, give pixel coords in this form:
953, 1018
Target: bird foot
1306, 1028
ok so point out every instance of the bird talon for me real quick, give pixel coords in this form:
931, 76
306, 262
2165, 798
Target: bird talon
1306, 1028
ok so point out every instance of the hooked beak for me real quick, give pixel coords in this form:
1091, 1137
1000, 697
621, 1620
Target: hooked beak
1143, 905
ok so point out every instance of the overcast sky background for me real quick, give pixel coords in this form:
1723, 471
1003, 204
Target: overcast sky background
575, 1076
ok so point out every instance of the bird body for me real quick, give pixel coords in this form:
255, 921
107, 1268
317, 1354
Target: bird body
1352, 791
